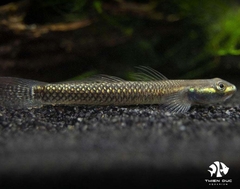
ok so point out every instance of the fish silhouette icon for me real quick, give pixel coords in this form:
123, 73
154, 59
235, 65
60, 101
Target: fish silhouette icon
218, 168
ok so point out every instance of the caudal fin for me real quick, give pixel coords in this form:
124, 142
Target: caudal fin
17, 93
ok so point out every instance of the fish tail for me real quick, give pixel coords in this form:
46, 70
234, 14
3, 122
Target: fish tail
18, 93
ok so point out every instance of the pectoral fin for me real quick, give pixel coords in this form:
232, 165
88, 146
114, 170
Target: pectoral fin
177, 102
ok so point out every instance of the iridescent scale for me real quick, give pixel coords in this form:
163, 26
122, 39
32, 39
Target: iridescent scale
118, 93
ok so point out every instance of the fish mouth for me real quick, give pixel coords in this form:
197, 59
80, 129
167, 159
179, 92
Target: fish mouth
234, 88
230, 92
228, 96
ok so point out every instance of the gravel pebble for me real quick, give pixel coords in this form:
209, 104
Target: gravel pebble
142, 143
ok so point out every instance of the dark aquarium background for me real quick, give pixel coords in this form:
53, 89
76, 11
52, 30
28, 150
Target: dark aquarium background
133, 146
58, 40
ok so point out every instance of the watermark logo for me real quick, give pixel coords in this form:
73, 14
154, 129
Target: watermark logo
218, 169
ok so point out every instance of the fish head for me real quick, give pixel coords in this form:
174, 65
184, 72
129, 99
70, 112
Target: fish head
224, 168
211, 91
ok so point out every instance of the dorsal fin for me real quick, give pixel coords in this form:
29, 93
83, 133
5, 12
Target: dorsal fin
96, 79
102, 78
108, 78
148, 74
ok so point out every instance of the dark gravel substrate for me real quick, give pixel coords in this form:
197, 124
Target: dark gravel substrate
132, 146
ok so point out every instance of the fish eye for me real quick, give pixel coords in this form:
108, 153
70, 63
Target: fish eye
220, 86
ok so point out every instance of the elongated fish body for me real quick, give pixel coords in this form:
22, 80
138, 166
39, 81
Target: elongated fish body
105, 93
174, 95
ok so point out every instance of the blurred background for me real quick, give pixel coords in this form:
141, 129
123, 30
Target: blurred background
58, 40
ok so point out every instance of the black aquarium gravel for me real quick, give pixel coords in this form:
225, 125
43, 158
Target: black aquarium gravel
89, 146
